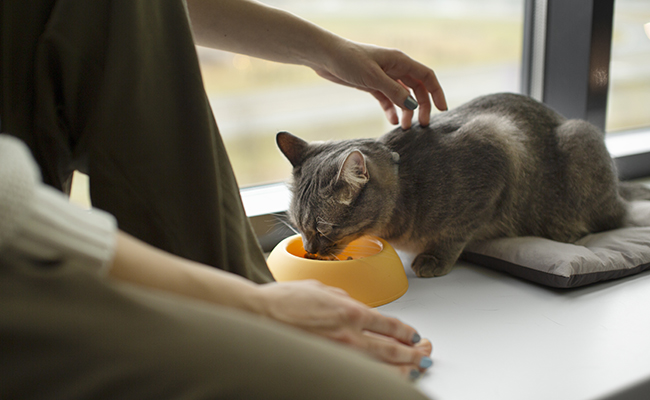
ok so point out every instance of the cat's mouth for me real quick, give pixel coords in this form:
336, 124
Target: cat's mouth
319, 248
330, 257
330, 253
317, 256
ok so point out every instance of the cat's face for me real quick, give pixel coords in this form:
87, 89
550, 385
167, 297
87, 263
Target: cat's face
329, 207
326, 224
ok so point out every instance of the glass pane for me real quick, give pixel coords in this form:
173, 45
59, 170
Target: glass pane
629, 91
473, 45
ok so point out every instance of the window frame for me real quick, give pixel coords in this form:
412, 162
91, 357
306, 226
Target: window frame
566, 61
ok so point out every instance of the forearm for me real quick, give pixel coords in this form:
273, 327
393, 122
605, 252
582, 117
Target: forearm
249, 27
137, 262
252, 28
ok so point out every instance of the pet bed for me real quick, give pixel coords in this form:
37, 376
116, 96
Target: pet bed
594, 258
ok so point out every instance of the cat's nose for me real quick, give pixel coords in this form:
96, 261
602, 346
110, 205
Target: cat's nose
310, 247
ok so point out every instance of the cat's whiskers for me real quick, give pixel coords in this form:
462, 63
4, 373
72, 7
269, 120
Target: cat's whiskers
282, 219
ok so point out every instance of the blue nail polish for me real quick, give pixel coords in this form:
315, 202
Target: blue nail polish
410, 103
425, 362
416, 338
414, 374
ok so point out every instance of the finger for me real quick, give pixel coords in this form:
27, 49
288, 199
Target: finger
424, 112
407, 119
392, 352
386, 105
422, 96
390, 327
425, 347
433, 87
416, 74
407, 113
406, 371
429, 79
394, 89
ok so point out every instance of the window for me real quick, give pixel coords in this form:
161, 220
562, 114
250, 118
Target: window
629, 87
557, 51
473, 45
628, 118
567, 47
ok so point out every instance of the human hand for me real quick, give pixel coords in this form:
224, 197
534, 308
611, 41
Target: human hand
388, 75
410, 371
331, 313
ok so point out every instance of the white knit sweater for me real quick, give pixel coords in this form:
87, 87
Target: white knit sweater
40, 223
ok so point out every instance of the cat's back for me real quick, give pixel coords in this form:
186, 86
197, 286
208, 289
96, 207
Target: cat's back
508, 104
548, 167
525, 112
462, 160
520, 125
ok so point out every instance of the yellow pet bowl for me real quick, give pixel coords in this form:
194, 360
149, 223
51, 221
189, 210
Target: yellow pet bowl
374, 276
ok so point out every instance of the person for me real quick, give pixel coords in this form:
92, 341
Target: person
113, 88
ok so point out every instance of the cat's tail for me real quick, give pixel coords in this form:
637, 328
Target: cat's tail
631, 191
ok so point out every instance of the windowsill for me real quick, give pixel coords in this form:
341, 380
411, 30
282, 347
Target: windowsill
265, 200
633, 142
266, 204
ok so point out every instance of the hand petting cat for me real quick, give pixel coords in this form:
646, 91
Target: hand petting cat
388, 75
258, 30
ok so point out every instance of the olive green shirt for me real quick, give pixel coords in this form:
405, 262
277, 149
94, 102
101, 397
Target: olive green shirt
114, 89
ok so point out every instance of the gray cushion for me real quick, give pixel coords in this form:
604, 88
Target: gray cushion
596, 257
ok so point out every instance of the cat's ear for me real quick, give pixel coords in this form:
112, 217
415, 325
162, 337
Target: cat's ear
292, 147
354, 170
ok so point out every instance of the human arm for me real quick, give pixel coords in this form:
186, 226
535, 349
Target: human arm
252, 28
39, 223
307, 305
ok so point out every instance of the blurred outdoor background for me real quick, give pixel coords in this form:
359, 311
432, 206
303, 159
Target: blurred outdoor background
629, 85
474, 46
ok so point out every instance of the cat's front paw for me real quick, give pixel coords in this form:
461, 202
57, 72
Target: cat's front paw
428, 266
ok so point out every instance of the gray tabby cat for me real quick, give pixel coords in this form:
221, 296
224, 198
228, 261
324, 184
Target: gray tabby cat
501, 165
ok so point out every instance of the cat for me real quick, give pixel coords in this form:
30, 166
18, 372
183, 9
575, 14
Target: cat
501, 165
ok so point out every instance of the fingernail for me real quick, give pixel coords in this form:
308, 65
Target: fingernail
416, 338
410, 103
414, 374
425, 362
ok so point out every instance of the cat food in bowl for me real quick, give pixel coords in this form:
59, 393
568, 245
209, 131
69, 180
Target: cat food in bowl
374, 275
